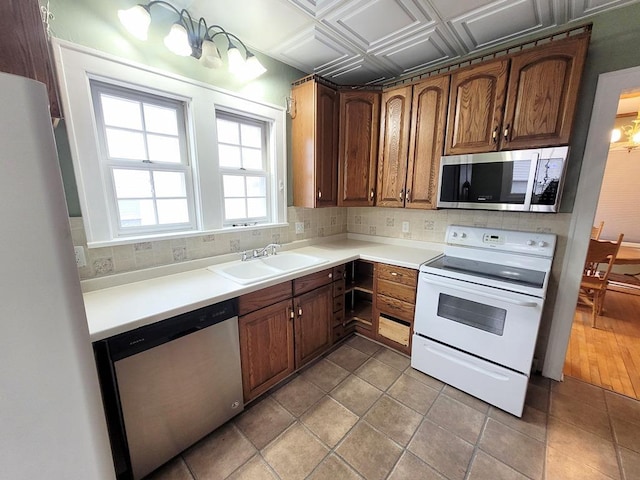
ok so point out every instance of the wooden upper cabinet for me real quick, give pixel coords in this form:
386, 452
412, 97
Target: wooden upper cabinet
314, 143
395, 117
24, 47
542, 94
476, 107
428, 120
358, 147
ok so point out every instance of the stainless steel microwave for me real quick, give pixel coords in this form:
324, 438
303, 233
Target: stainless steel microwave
517, 180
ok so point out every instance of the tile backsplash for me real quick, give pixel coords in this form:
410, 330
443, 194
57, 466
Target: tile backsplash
429, 225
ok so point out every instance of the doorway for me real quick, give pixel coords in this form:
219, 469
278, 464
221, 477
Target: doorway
609, 355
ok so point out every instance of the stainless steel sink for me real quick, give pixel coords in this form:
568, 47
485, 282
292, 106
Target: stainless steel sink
258, 269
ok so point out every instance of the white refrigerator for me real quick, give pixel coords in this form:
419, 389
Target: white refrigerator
51, 418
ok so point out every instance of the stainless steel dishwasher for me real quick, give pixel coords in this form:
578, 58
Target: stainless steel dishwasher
169, 384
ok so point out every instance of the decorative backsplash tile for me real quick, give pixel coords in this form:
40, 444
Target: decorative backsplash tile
424, 225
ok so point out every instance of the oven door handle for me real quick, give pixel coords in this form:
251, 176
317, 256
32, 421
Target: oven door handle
520, 303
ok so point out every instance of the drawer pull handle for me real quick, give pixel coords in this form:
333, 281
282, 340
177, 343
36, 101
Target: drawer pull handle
299, 311
394, 274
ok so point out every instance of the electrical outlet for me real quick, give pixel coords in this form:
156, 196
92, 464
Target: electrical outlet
299, 227
81, 260
405, 227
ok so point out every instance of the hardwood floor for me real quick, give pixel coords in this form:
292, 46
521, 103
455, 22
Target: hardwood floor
609, 355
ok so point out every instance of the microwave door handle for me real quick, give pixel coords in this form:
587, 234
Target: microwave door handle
501, 298
532, 179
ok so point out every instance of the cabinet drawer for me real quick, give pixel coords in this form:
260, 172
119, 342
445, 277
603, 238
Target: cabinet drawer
338, 318
312, 281
401, 275
395, 308
338, 287
338, 303
338, 271
263, 298
394, 331
406, 293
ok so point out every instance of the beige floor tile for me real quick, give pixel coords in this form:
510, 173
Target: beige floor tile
295, 454
333, 468
442, 450
467, 399
562, 467
589, 394
219, 454
393, 359
582, 446
175, 469
410, 467
325, 374
348, 358
623, 407
254, 469
364, 345
423, 378
532, 423
394, 419
630, 464
577, 411
458, 418
626, 434
520, 452
413, 393
356, 394
329, 420
371, 453
298, 396
378, 374
264, 422
537, 397
485, 467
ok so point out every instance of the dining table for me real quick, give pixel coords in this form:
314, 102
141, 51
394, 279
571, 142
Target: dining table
628, 255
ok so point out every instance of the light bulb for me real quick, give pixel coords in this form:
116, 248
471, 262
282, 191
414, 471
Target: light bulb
236, 61
252, 67
616, 135
178, 40
136, 20
636, 137
210, 57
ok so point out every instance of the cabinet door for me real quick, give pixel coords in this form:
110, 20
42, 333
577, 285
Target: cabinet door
395, 116
476, 107
266, 348
314, 145
313, 313
358, 141
24, 47
428, 120
542, 94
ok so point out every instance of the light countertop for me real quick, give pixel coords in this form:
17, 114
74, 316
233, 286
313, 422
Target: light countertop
124, 307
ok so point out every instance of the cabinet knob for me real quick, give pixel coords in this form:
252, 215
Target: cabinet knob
299, 311
408, 196
371, 194
506, 133
394, 274
331, 275
291, 314
494, 135
401, 194
319, 193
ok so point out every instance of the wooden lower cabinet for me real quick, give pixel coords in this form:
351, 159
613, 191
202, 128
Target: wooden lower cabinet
266, 347
313, 312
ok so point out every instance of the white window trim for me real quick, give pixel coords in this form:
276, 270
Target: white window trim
77, 64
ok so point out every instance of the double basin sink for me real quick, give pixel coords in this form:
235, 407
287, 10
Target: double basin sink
262, 268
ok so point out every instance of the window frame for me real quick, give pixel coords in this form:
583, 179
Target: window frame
109, 164
78, 65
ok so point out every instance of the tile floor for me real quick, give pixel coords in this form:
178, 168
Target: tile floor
363, 413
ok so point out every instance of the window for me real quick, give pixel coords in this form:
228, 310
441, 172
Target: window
243, 169
144, 154
157, 155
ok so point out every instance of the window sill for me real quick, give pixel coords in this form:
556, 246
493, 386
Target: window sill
173, 235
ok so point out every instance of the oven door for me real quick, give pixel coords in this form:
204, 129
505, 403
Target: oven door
497, 325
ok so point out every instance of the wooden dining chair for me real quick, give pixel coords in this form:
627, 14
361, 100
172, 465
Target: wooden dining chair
594, 280
596, 230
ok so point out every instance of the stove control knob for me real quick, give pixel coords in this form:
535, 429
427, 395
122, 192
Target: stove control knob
542, 244
463, 235
454, 234
530, 243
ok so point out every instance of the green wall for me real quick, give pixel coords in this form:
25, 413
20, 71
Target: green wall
95, 24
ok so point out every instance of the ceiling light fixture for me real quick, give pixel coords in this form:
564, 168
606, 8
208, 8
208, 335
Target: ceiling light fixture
631, 131
188, 37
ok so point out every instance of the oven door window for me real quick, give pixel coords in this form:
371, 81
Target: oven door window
473, 314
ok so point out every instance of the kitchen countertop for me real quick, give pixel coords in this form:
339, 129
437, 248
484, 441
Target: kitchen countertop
120, 308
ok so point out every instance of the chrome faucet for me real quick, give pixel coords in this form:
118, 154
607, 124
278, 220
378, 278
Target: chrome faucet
259, 252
